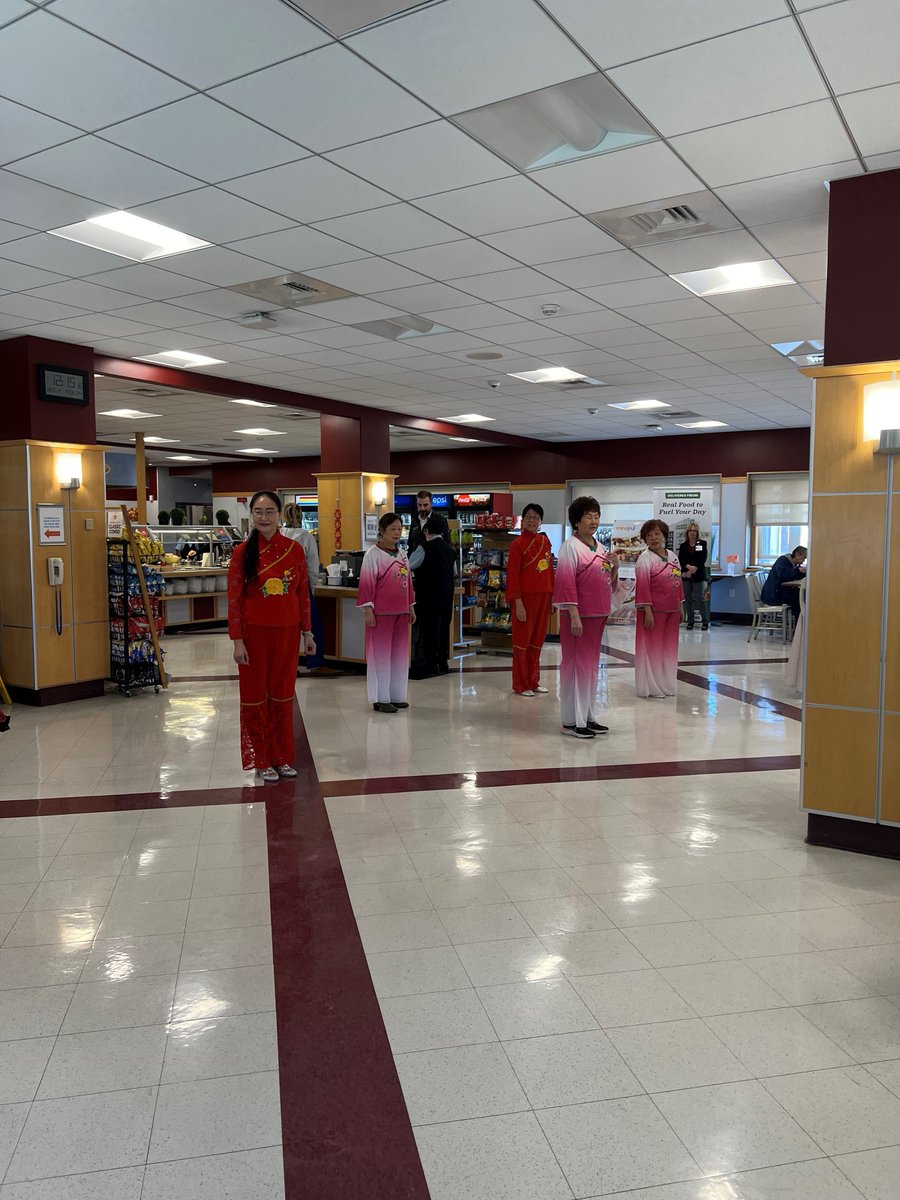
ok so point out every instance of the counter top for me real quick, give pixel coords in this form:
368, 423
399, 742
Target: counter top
188, 572
324, 589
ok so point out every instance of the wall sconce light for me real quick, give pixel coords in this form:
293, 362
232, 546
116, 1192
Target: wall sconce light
379, 493
881, 407
68, 471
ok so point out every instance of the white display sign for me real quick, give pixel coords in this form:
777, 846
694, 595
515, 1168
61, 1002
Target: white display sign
678, 507
115, 523
51, 524
627, 546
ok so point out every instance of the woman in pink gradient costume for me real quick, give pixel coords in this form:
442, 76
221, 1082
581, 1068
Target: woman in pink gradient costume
386, 595
658, 596
586, 577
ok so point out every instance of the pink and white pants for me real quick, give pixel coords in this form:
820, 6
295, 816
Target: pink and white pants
656, 654
387, 658
578, 668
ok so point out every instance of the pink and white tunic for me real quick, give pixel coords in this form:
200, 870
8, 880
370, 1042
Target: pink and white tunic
584, 587
385, 585
658, 588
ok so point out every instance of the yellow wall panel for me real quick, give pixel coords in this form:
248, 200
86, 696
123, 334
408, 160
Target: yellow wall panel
92, 651
892, 645
15, 577
13, 477
346, 490
16, 656
842, 461
839, 761
844, 600
89, 574
54, 657
890, 769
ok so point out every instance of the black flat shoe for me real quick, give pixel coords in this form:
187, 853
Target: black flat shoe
385, 708
400, 703
595, 728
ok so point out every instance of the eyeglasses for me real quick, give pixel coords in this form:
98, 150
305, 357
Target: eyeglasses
265, 512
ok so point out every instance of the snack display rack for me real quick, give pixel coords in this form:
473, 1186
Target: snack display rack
135, 620
496, 620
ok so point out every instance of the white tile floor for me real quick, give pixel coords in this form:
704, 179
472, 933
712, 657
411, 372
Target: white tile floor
646, 988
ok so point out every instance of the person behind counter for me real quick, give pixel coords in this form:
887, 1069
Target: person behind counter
529, 587
782, 582
435, 580
692, 555
386, 594
657, 598
268, 620
586, 577
293, 529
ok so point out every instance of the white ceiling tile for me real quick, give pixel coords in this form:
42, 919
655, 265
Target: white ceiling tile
491, 207
390, 229
696, 328
24, 131
82, 294
340, 337
670, 310
424, 297
311, 190
37, 309
187, 38
632, 176
554, 240
594, 322
874, 118
596, 269
34, 204
164, 316
785, 197
299, 249
10, 232
769, 145
106, 325
719, 341
569, 303
883, 162
19, 277
723, 79
473, 316
218, 265
146, 281
637, 291
421, 161
856, 42
701, 253
367, 275
335, 99
354, 309
79, 78
59, 255
505, 284
113, 176
455, 259
806, 235
458, 55
205, 139
817, 289
807, 314
760, 298
212, 215
613, 32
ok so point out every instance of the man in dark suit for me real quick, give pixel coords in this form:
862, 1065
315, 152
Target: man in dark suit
421, 667
435, 581
425, 511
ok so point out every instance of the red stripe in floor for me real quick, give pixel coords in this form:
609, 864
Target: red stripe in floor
347, 1134
511, 778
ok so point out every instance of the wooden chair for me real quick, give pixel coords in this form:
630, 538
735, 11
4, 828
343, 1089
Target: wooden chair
776, 618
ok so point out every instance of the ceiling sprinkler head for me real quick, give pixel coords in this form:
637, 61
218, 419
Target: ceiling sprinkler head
550, 310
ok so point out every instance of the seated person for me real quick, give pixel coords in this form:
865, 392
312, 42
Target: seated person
787, 569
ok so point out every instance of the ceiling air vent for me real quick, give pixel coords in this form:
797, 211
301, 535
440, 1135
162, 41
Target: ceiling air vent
666, 219
579, 385
684, 415
291, 291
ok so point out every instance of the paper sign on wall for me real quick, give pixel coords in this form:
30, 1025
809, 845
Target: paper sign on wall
678, 507
51, 524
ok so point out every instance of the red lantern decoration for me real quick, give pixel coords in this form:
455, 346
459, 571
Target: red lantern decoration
337, 529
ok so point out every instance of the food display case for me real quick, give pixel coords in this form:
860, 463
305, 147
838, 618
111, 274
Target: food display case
194, 566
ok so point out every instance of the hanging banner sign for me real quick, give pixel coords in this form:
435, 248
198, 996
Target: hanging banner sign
678, 507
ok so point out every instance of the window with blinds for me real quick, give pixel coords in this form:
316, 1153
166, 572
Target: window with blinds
779, 515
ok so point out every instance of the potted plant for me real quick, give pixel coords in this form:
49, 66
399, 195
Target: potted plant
223, 517
164, 517
178, 515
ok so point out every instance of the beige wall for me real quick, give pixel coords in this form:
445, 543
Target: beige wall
32, 654
851, 754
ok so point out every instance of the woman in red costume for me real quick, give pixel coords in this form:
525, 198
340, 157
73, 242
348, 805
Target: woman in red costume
529, 586
268, 616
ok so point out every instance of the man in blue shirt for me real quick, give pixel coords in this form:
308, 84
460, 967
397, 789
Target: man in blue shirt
787, 569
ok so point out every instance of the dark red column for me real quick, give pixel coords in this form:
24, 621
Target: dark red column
24, 413
355, 444
863, 268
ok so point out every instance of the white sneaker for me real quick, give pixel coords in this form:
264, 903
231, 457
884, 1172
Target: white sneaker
541, 691
526, 693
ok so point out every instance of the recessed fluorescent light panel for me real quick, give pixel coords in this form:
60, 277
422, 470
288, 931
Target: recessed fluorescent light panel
737, 277
160, 441
701, 424
805, 354
558, 124
638, 405
401, 328
180, 358
468, 418
262, 432
459, 439
253, 403
548, 375
259, 450
184, 458
128, 236
129, 414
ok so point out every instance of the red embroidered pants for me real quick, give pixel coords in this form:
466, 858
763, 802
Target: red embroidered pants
527, 639
267, 695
